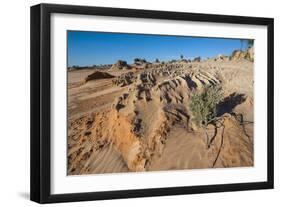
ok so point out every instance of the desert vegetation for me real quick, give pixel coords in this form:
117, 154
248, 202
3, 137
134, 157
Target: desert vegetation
203, 106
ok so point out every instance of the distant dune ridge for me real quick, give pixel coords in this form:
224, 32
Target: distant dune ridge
132, 118
98, 75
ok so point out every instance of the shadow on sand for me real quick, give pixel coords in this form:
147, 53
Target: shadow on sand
229, 103
226, 106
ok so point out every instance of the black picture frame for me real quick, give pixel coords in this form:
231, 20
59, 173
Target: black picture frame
41, 99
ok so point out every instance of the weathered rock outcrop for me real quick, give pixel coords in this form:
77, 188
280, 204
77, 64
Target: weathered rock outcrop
124, 79
120, 65
240, 55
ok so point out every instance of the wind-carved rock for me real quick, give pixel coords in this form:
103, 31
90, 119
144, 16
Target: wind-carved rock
120, 65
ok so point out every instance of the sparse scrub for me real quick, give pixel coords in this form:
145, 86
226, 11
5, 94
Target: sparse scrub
203, 106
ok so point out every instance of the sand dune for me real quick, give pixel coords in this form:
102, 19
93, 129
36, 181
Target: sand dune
140, 120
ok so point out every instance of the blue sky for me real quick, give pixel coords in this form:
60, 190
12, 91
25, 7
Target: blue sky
88, 48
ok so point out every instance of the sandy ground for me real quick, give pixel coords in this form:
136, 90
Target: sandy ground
92, 96
146, 125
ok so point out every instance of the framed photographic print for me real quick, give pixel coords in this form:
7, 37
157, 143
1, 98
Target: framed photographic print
132, 103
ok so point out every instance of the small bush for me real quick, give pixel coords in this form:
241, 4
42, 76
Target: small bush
203, 106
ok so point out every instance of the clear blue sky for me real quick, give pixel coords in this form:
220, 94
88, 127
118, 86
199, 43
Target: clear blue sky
88, 48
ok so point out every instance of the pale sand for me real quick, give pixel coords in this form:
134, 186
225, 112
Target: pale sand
147, 125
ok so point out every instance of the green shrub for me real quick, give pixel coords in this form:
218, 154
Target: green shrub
203, 106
